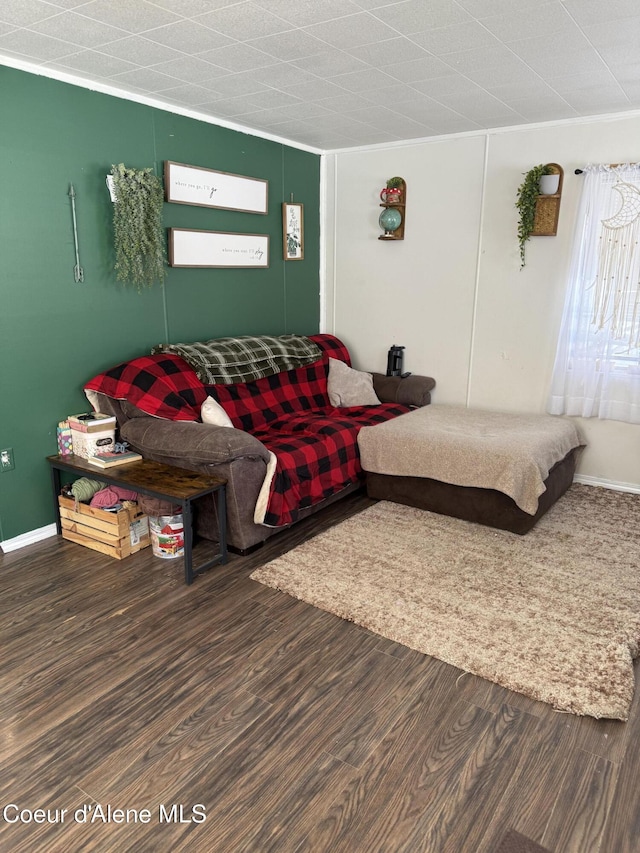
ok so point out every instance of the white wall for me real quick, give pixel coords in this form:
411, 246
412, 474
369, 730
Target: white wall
452, 292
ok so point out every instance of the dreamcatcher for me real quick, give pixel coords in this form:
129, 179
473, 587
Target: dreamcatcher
617, 286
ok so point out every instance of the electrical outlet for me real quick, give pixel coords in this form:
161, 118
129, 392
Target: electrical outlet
6, 459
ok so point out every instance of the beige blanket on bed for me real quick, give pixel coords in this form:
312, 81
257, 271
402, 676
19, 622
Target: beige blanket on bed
471, 447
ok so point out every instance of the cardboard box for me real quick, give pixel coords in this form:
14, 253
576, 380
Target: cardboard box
117, 534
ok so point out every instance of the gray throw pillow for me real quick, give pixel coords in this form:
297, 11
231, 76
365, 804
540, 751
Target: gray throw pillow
349, 387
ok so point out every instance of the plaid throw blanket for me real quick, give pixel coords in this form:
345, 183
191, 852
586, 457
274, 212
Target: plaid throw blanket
244, 359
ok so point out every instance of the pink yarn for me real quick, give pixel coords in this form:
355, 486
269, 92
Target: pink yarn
112, 495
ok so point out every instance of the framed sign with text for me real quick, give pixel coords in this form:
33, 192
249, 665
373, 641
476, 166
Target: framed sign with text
208, 188
193, 248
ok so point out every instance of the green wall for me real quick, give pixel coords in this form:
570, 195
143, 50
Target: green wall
55, 334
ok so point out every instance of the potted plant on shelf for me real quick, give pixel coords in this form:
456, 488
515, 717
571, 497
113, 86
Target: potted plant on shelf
528, 193
392, 193
137, 225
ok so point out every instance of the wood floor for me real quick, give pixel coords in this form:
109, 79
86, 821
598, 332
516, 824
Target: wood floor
227, 717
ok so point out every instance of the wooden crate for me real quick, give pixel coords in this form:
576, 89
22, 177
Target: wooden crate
117, 534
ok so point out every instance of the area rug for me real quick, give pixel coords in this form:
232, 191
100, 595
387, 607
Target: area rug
554, 615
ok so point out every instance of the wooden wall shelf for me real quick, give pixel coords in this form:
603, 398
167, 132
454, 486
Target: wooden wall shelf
545, 223
398, 234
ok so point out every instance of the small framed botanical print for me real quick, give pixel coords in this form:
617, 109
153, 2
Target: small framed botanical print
293, 231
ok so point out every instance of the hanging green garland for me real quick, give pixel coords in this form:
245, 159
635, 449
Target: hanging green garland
137, 225
528, 193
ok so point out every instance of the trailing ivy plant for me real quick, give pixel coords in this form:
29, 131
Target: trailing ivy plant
137, 225
528, 193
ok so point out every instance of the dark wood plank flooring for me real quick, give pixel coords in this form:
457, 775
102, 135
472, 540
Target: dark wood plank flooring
285, 728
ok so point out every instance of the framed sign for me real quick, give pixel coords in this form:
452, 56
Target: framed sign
207, 188
191, 248
292, 231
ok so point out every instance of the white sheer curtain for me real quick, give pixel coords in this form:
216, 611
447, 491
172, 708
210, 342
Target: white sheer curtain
597, 366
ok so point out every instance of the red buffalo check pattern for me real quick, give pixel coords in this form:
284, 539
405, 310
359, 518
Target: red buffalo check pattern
316, 445
161, 385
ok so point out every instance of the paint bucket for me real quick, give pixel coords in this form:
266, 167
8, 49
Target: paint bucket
167, 536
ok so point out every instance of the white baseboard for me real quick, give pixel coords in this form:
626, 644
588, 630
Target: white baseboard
28, 538
607, 484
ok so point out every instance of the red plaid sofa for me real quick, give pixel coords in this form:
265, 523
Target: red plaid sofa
284, 417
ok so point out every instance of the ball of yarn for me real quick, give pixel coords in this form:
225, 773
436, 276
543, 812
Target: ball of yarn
112, 495
84, 488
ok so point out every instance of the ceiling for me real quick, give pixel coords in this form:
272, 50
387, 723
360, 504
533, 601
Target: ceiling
334, 74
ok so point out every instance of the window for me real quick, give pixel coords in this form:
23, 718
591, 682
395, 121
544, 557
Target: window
597, 366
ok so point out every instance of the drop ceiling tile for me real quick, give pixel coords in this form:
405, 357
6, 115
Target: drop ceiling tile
244, 22
316, 90
234, 85
416, 16
295, 44
387, 52
613, 37
92, 62
407, 128
451, 84
25, 13
141, 51
305, 12
428, 111
380, 117
588, 12
133, 17
486, 111
188, 37
559, 62
190, 69
345, 103
543, 109
632, 91
486, 8
268, 99
293, 128
629, 72
268, 118
376, 137
465, 61
285, 74
330, 63
238, 57
534, 88
302, 110
65, 4
392, 96
79, 30
231, 107
456, 124
187, 95
539, 49
582, 82
375, 4
363, 81
538, 18
352, 31
599, 99
418, 69
30, 45
190, 8
145, 78
464, 36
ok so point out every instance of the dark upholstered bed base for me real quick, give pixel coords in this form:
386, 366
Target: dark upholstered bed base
483, 506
